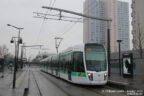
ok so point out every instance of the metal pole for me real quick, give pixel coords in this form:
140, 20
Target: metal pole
119, 41
18, 50
79, 14
108, 51
57, 44
16, 53
57, 49
22, 56
119, 60
14, 76
16, 59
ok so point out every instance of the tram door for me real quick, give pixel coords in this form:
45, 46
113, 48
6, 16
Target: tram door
69, 58
69, 75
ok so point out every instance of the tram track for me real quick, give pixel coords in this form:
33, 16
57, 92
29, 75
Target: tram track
36, 83
71, 89
90, 89
99, 90
44, 75
104, 91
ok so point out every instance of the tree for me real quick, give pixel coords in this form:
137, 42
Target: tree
3, 50
138, 43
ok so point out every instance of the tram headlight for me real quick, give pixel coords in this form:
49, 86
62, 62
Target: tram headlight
105, 76
90, 76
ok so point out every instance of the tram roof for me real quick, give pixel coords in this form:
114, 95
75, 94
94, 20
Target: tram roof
78, 47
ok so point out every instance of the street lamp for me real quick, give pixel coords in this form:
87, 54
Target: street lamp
119, 41
109, 47
19, 41
57, 44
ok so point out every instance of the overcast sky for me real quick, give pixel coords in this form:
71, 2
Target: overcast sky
20, 13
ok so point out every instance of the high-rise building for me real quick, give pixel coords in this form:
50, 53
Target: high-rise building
95, 31
123, 25
112, 13
138, 23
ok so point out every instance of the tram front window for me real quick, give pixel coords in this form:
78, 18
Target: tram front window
95, 58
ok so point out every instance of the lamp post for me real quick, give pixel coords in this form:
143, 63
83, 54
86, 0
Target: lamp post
109, 48
57, 44
19, 41
119, 41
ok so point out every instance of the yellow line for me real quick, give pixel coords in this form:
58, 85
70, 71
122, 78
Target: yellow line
19, 79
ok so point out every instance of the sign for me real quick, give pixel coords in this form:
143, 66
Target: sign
127, 65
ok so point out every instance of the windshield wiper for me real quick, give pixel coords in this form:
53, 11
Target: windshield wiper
97, 70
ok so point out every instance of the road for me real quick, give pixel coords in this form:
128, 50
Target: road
43, 84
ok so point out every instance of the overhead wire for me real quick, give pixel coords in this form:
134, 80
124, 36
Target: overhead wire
42, 24
91, 6
63, 33
54, 17
61, 19
68, 29
52, 4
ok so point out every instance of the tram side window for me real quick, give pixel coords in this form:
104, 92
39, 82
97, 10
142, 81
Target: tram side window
51, 63
62, 62
48, 63
70, 62
65, 62
78, 62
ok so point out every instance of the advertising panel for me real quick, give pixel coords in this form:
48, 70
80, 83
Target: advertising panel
127, 65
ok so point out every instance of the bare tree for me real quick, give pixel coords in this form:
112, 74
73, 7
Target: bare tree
138, 43
3, 50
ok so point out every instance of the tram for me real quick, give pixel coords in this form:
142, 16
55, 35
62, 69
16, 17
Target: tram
84, 64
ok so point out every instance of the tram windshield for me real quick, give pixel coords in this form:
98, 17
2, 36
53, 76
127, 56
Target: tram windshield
95, 58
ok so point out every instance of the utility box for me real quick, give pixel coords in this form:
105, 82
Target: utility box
127, 65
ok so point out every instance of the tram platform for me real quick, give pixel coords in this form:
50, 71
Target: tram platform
22, 83
134, 83
6, 83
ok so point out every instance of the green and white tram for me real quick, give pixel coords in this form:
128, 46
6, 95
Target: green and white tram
82, 64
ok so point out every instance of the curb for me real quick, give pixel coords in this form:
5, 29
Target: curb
116, 84
26, 89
